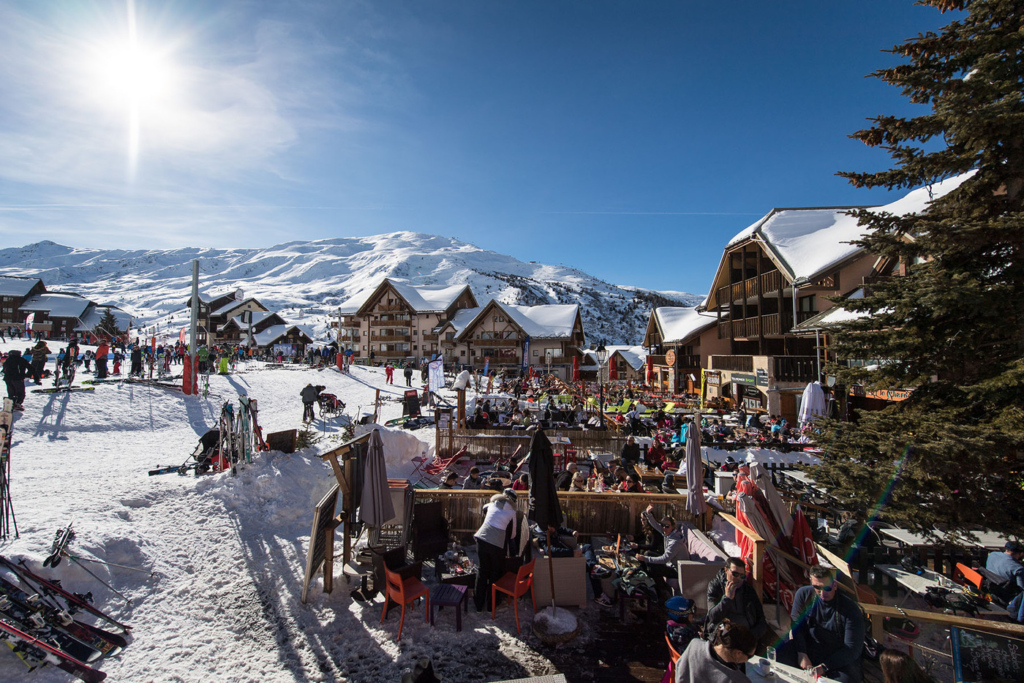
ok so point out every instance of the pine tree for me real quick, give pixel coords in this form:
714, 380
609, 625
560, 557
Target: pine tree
107, 326
952, 327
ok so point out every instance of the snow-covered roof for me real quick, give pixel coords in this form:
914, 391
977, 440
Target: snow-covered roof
834, 315
422, 299
232, 305
678, 323
275, 332
90, 320
17, 286
806, 242
57, 305
544, 321
636, 356
589, 361
462, 318
257, 318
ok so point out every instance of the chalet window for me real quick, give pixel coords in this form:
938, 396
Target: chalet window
449, 336
536, 353
486, 335
499, 318
807, 304
463, 352
414, 347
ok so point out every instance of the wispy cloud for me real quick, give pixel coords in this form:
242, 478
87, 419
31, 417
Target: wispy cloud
241, 93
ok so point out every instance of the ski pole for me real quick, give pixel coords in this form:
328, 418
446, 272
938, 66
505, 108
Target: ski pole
109, 564
121, 595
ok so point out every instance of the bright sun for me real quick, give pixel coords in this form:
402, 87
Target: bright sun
131, 74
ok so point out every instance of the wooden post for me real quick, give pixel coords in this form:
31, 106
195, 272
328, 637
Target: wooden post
551, 573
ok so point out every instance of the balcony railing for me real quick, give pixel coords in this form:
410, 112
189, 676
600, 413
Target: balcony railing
733, 363
391, 338
796, 368
429, 337
391, 322
497, 343
750, 288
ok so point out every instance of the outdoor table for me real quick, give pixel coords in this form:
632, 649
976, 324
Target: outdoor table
783, 673
449, 595
990, 539
918, 584
910, 539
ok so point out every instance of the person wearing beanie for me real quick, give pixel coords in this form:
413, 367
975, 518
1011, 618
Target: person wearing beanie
493, 544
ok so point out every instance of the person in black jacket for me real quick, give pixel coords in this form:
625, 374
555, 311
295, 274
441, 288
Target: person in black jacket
630, 455
16, 369
827, 636
731, 597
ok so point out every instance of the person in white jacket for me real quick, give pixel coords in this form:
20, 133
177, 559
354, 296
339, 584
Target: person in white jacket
493, 544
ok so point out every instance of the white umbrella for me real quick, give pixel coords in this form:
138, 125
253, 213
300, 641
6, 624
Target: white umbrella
695, 502
375, 507
776, 505
812, 405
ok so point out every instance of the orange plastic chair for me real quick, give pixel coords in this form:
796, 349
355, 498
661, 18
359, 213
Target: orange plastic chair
515, 586
403, 591
967, 575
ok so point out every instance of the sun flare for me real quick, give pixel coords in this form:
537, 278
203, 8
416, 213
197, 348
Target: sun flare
131, 73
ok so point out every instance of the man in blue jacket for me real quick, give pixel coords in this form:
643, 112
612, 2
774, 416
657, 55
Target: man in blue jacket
1006, 564
827, 636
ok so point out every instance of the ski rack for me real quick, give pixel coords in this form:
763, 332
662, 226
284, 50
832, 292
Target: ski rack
7, 519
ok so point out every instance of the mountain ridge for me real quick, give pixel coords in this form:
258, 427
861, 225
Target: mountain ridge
306, 280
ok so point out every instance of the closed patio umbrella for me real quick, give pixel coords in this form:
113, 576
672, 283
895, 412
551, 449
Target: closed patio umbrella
545, 509
695, 502
812, 405
375, 506
776, 505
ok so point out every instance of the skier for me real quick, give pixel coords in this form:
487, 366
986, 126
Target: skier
16, 369
389, 373
136, 358
70, 356
202, 358
39, 353
102, 351
117, 362
309, 394
408, 375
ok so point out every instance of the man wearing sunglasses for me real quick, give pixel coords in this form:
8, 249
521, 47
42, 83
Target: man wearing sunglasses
731, 597
827, 635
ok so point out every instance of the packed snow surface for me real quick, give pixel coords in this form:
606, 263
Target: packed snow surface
223, 557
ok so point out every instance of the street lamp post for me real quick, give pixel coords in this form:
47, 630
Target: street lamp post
602, 356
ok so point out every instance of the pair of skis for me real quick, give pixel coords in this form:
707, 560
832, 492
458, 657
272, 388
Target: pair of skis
42, 631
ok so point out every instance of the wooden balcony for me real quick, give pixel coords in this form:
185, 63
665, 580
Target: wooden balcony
795, 368
496, 343
391, 338
750, 288
385, 308
428, 337
733, 363
772, 325
394, 322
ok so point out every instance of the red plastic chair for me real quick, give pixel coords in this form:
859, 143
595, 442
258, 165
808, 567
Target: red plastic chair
515, 586
403, 591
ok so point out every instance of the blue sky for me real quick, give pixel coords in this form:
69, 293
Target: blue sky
628, 139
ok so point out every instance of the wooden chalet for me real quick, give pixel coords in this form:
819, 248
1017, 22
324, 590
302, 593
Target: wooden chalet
14, 291
512, 338
398, 321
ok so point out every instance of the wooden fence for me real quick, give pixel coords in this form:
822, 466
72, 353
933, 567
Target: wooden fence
590, 514
497, 444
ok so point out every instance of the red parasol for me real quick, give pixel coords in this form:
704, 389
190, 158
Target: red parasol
575, 368
650, 369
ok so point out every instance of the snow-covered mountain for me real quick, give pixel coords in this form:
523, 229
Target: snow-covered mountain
305, 281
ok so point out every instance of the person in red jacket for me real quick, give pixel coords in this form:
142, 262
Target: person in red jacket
102, 352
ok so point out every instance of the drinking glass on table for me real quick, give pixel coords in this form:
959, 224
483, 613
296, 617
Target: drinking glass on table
771, 655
